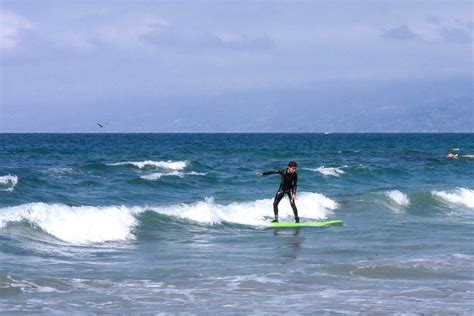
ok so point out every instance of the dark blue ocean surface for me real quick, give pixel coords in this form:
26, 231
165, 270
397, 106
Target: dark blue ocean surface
176, 223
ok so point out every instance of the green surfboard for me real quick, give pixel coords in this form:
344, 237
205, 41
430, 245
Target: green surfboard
308, 224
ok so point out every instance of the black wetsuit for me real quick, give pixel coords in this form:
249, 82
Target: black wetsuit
288, 186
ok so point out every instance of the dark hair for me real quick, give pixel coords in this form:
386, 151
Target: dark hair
292, 164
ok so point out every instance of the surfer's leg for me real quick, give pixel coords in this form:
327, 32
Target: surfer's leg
278, 196
293, 206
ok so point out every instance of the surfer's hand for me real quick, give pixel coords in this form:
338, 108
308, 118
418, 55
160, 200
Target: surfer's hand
259, 174
293, 197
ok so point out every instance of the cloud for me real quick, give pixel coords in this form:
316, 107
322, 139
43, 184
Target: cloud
165, 36
432, 31
247, 43
11, 25
455, 35
126, 31
402, 32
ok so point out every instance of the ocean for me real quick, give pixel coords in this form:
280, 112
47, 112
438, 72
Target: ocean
177, 224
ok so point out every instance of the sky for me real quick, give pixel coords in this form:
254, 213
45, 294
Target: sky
236, 66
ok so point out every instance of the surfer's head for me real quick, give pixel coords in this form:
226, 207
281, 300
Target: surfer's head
292, 166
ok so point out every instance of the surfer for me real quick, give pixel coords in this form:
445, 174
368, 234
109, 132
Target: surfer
288, 185
452, 156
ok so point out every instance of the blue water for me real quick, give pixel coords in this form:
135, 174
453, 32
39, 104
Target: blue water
175, 223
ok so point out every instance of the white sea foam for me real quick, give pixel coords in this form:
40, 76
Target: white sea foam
463, 256
310, 205
96, 224
8, 182
76, 224
457, 197
158, 175
170, 165
467, 156
194, 173
397, 197
329, 171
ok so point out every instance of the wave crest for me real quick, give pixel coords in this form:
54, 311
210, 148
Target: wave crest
158, 175
398, 198
329, 171
75, 224
457, 197
97, 224
170, 165
310, 205
8, 182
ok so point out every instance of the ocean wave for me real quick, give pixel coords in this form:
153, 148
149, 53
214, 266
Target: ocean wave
8, 182
456, 197
76, 224
329, 171
393, 200
310, 205
158, 175
170, 165
98, 224
398, 198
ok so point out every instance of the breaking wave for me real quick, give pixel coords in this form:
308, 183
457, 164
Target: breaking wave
329, 171
75, 224
97, 224
398, 198
169, 165
158, 175
456, 197
8, 182
310, 205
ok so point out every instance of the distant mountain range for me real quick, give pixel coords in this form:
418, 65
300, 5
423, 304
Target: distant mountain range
408, 107
448, 115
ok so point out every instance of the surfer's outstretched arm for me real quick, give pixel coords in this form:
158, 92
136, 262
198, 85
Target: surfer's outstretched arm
266, 173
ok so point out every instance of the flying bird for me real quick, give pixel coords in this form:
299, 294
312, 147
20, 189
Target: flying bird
101, 125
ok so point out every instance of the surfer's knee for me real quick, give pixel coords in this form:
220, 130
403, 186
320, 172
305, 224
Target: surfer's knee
276, 202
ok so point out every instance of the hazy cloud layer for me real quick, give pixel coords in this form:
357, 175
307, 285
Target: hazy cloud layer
456, 35
400, 33
165, 36
89, 56
11, 27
